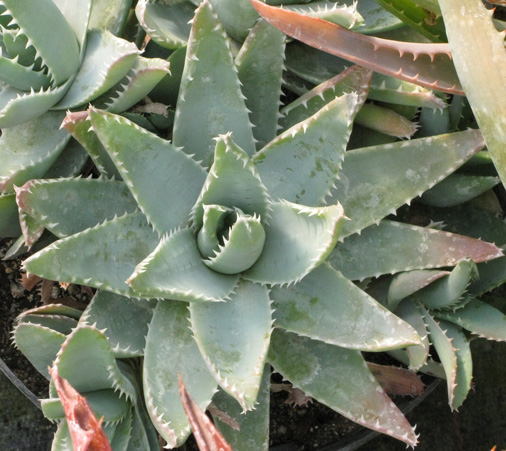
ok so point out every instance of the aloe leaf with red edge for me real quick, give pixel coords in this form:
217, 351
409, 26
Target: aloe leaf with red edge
428, 65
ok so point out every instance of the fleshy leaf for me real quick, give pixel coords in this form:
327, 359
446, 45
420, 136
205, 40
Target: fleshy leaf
77, 16
213, 104
260, 66
52, 309
340, 379
409, 247
407, 283
464, 363
479, 318
213, 226
386, 121
346, 16
316, 67
326, 306
457, 189
424, 64
58, 323
354, 79
125, 321
241, 249
110, 15
61, 57
233, 181
477, 223
445, 351
31, 229
9, 217
62, 441
423, 20
393, 90
144, 75
104, 403
237, 16
48, 344
18, 107
112, 250
106, 61
233, 337
79, 126
302, 164
253, 432
55, 205
168, 24
70, 163
175, 270
298, 239
408, 169
409, 312
28, 151
21, 77
376, 18
150, 165
447, 291
170, 351
467, 22
87, 344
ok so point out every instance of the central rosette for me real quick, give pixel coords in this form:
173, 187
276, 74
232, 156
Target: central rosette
224, 230
230, 241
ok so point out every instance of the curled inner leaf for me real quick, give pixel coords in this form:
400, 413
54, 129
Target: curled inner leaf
237, 239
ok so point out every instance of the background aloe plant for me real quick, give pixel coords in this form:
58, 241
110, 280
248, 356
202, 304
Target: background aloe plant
164, 243
41, 77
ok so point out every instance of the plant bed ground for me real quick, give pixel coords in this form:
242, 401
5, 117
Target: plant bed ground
479, 425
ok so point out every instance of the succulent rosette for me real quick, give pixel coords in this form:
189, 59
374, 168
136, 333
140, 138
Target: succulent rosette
211, 239
57, 56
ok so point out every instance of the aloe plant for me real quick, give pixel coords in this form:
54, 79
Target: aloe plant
231, 230
41, 77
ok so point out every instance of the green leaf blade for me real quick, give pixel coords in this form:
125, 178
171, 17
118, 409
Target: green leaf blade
233, 337
55, 203
171, 350
340, 379
260, 66
302, 164
298, 239
60, 56
112, 250
214, 103
175, 270
408, 169
392, 247
152, 168
326, 306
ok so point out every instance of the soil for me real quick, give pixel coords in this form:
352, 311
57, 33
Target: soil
21, 423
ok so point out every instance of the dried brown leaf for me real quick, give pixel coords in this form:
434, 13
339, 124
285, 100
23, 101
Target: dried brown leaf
397, 381
86, 431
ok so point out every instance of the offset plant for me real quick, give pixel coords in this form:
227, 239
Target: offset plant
41, 77
232, 237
